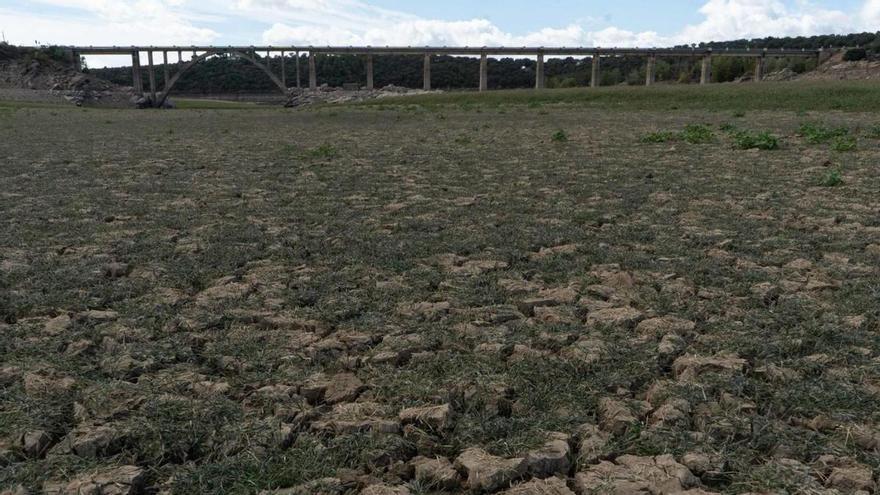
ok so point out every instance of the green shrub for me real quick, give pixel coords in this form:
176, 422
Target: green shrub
855, 54
833, 178
660, 137
327, 151
844, 143
818, 134
746, 140
874, 132
559, 136
698, 134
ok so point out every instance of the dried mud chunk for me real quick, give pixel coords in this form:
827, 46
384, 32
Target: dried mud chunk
124, 480
550, 486
551, 459
626, 317
636, 475
657, 327
489, 473
436, 473
615, 417
690, 367
436, 417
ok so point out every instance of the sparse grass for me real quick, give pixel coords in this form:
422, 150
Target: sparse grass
692, 134
325, 151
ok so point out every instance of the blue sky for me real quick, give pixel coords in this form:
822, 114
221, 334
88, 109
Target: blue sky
405, 22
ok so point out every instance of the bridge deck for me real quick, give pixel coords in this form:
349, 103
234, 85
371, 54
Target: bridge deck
451, 50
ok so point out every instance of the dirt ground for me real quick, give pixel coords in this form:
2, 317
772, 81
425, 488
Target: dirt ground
392, 300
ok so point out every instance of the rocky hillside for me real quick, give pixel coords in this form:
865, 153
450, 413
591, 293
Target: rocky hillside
46, 71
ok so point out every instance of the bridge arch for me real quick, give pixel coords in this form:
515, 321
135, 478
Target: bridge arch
189, 65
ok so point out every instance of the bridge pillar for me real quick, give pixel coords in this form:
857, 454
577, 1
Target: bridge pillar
706, 72
595, 82
179, 57
298, 79
651, 72
759, 68
313, 73
370, 72
136, 81
539, 73
426, 73
165, 71
283, 71
484, 72
152, 72
76, 59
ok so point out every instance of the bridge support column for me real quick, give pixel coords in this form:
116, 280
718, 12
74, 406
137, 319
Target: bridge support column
595, 82
283, 71
426, 73
165, 74
539, 73
298, 79
484, 72
370, 84
706, 71
179, 57
77, 61
313, 73
152, 72
651, 72
759, 69
136, 81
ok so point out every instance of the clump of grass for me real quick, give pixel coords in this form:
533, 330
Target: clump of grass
698, 134
559, 136
693, 134
833, 178
326, 151
844, 143
660, 137
874, 132
746, 140
819, 134
727, 127
739, 114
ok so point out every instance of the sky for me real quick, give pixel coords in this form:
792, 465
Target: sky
622, 23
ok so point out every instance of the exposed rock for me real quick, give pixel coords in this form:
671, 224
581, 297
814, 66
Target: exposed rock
632, 475
675, 412
40, 383
57, 325
436, 417
845, 474
489, 473
436, 473
116, 270
549, 486
625, 317
426, 311
615, 417
592, 444
383, 489
124, 480
551, 459
92, 441
697, 462
527, 306
587, 350
657, 327
343, 387
688, 368
35, 443
544, 253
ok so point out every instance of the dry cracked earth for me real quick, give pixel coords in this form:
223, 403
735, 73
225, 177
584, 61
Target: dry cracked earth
403, 301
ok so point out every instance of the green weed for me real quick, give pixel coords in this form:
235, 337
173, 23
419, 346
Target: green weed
844, 143
559, 136
819, 134
746, 140
833, 178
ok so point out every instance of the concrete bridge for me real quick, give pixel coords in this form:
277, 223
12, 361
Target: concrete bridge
250, 53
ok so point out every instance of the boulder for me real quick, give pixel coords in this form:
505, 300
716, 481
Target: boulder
436, 473
489, 473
